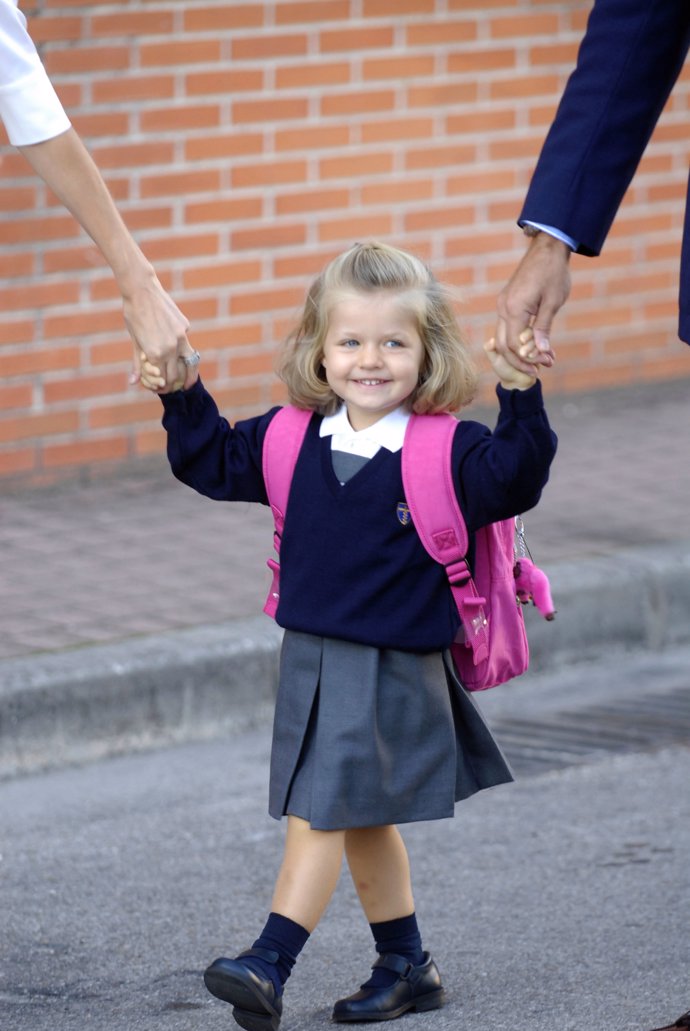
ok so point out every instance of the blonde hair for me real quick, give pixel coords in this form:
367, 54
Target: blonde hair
448, 378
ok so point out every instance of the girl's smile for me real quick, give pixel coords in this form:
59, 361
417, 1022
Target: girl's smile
373, 353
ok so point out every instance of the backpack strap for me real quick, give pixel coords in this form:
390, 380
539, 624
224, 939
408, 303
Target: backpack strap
430, 493
282, 443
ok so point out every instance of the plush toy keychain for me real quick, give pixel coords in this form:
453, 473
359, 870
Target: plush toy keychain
531, 583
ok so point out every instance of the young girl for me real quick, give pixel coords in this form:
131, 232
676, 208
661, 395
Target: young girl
372, 727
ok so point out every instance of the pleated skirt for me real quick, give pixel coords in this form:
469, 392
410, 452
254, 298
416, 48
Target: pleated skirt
365, 736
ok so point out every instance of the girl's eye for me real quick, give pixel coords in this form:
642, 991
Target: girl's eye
393, 343
350, 343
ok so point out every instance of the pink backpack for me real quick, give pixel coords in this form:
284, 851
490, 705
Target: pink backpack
492, 644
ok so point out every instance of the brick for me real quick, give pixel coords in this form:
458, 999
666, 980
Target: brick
311, 74
525, 25
245, 111
405, 66
396, 8
553, 53
356, 166
442, 33
398, 129
17, 395
269, 173
134, 155
15, 331
259, 48
357, 102
28, 427
230, 144
524, 86
398, 191
187, 51
453, 155
481, 60
113, 123
316, 138
16, 265
131, 87
144, 408
38, 295
312, 200
252, 365
32, 230
355, 228
85, 452
18, 460
274, 235
46, 28
511, 149
441, 218
221, 274
481, 121
311, 12
305, 265
440, 94
83, 387
379, 38
225, 209
482, 181
180, 117
223, 17
78, 323
180, 183
17, 198
250, 302
225, 82
86, 59
132, 23
178, 246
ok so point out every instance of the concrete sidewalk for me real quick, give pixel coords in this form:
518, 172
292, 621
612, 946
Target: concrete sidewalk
131, 605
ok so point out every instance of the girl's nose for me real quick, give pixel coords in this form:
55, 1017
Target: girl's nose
369, 356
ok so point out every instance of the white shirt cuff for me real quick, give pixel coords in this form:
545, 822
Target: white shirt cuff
552, 231
31, 110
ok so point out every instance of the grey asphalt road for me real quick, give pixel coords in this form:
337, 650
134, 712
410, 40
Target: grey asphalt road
559, 902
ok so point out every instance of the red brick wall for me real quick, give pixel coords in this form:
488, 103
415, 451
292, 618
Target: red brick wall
246, 143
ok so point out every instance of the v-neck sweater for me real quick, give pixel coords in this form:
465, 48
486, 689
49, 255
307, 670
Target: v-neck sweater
352, 567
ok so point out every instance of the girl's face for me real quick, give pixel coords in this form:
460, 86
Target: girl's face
372, 353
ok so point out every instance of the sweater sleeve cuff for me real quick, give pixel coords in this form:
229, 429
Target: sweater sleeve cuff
520, 403
184, 400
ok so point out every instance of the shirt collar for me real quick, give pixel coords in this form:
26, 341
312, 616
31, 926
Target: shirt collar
388, 432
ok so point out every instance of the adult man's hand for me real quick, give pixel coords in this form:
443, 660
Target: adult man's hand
533, 295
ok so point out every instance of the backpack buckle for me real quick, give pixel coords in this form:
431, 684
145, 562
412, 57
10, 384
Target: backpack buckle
458, 573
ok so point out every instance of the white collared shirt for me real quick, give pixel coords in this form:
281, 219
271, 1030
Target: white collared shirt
388, 432
29, 106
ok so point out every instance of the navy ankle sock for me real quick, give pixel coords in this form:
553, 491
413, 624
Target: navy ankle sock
400, 936
285, 937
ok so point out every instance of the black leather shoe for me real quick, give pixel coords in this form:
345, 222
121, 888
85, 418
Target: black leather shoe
257, 1006
417, 988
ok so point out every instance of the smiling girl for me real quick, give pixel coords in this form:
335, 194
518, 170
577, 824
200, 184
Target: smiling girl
372, 726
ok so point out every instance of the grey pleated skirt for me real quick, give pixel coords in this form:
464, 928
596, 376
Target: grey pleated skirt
365, 736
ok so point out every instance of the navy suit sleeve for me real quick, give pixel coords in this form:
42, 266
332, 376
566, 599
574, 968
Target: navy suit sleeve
501, 474
629, 60
220, 461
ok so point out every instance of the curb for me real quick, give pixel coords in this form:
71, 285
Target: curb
75, 706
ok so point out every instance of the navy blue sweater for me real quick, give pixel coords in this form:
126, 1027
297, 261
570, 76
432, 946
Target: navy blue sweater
349, 567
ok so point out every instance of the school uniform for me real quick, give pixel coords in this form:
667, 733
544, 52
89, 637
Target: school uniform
371, 724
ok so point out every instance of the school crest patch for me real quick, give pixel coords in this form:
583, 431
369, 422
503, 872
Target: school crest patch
403, 513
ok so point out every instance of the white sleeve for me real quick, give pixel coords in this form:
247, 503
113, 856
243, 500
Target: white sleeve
29, 106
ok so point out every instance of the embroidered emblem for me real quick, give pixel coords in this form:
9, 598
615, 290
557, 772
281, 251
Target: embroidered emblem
403, 513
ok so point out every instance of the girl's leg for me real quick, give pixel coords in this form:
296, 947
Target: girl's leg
380, 870
253, 982
405, 978
309, 873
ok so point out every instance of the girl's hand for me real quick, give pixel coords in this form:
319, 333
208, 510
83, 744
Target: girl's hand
150, 376
510, 377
